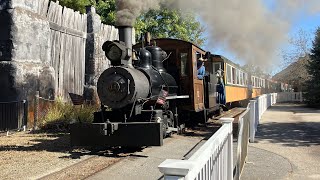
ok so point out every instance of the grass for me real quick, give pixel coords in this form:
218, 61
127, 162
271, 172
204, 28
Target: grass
58, 115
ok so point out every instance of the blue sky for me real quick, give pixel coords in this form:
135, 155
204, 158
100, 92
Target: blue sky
302, 21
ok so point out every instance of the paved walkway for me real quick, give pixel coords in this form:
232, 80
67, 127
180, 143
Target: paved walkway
287, 145
144, 165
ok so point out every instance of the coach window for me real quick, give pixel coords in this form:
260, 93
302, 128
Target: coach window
184, 67
238, 76
241, 78
253, 81
234, 75
217, 66
260, 82
245, 79
229, 74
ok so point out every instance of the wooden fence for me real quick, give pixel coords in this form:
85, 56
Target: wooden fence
68, 40
68, 45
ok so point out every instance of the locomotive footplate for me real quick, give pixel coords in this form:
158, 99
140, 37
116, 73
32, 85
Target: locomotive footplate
133, 134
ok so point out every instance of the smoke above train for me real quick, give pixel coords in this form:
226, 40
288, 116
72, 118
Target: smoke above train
250, 29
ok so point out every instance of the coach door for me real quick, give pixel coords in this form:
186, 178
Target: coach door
198, 89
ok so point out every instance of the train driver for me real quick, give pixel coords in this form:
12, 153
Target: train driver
201, 69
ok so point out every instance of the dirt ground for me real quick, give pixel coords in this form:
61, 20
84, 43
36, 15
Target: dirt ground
26, 155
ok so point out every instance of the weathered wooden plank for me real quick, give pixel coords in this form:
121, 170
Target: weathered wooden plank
78, 69
40, 4
71, 66
67, 30
51, 11
56, 13
61, 64
65, 17
58, 19
82, 80
75, 60
55, 55
44, 8
77, 19
84, 22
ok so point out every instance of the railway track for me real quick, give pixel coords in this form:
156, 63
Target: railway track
109, 160
104, 159
98, 161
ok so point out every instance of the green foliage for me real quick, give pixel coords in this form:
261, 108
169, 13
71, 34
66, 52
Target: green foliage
167, 23
77, 5
107, 11
313, 84
60, 114
163, 23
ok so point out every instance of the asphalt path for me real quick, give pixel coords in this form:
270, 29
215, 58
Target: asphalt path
287, 144
144, 165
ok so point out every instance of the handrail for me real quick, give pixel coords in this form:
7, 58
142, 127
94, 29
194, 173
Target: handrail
207, 160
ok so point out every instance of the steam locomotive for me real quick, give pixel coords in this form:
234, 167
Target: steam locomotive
153, 93
137, 94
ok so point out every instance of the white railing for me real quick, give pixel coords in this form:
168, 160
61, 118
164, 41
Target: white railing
258, 107
290, 97
263, 102
213, 160
243, 141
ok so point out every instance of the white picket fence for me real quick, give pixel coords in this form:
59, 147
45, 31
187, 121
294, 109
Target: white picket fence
243, 141
214, 159
290, 97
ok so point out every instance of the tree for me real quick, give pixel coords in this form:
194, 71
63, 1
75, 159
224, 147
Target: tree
77, 5
165, 22
170, 23
313, 84
255, 70
107, 11
299, 47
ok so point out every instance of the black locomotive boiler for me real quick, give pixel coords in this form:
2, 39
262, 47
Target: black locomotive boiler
139, 97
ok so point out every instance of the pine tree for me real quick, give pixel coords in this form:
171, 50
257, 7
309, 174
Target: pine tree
313, 91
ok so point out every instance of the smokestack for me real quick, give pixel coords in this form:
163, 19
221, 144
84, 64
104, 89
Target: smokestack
125, 35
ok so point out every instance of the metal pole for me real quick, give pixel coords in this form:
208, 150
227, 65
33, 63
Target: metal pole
25, 114
36, 110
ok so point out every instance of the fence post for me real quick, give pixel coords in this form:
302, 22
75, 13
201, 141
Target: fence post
252, 120
229, 121
174, 169
25, 114
36, 110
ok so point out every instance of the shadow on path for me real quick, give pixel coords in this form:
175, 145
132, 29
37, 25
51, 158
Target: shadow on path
290, 134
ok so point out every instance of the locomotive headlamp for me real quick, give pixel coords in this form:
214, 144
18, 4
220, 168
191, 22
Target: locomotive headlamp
115, 51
